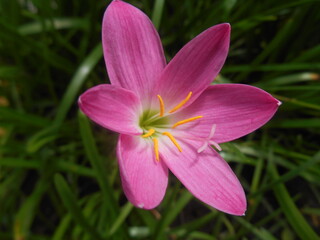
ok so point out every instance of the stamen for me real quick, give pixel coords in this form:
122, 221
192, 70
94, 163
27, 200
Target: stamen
149, 133
183, 102
161, 106
173, 140
186, 121
156, 148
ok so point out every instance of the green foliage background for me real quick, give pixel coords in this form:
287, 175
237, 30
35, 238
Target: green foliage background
58, 173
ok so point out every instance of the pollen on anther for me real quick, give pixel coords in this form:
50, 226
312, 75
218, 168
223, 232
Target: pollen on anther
183, 102
161, 106
156, 148
173, 140
186, 121
149, 133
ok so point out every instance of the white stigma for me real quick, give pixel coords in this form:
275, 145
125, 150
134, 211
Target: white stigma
208, 141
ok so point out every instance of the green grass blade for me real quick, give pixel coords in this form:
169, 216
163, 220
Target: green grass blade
157, 13
72, 206
58, 24
292, 213
185, 229
49, 134
272, 67
125, 211
259, 232
27, 211
297, 102
62, 228
169, 217
109, 204
297, 123
9, 114
77, 81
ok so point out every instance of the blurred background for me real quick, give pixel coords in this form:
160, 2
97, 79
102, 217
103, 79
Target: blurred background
59, 177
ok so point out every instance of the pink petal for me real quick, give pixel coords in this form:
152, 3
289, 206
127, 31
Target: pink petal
132, 48
195, 66
112, 107
144, 180
206, 175
236, 109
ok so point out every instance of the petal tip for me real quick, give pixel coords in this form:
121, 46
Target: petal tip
225, 26
140, 205
239, 212
239, 207
116, 1
115, 4
146, 206
79, 101
276, 101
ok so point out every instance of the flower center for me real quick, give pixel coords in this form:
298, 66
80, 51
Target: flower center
156, 124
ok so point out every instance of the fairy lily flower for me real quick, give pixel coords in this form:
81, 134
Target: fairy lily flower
168, 115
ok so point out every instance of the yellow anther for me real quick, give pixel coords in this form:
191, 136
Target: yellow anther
149, 133
173, 140
186, 121
161, 105
156, 148
183, 102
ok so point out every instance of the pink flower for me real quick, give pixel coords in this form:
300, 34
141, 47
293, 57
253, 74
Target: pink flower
169, 115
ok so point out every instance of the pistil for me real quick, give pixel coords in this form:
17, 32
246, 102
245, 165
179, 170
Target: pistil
208, 141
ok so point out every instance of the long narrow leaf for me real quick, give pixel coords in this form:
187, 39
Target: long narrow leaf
292, 213
71, 204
